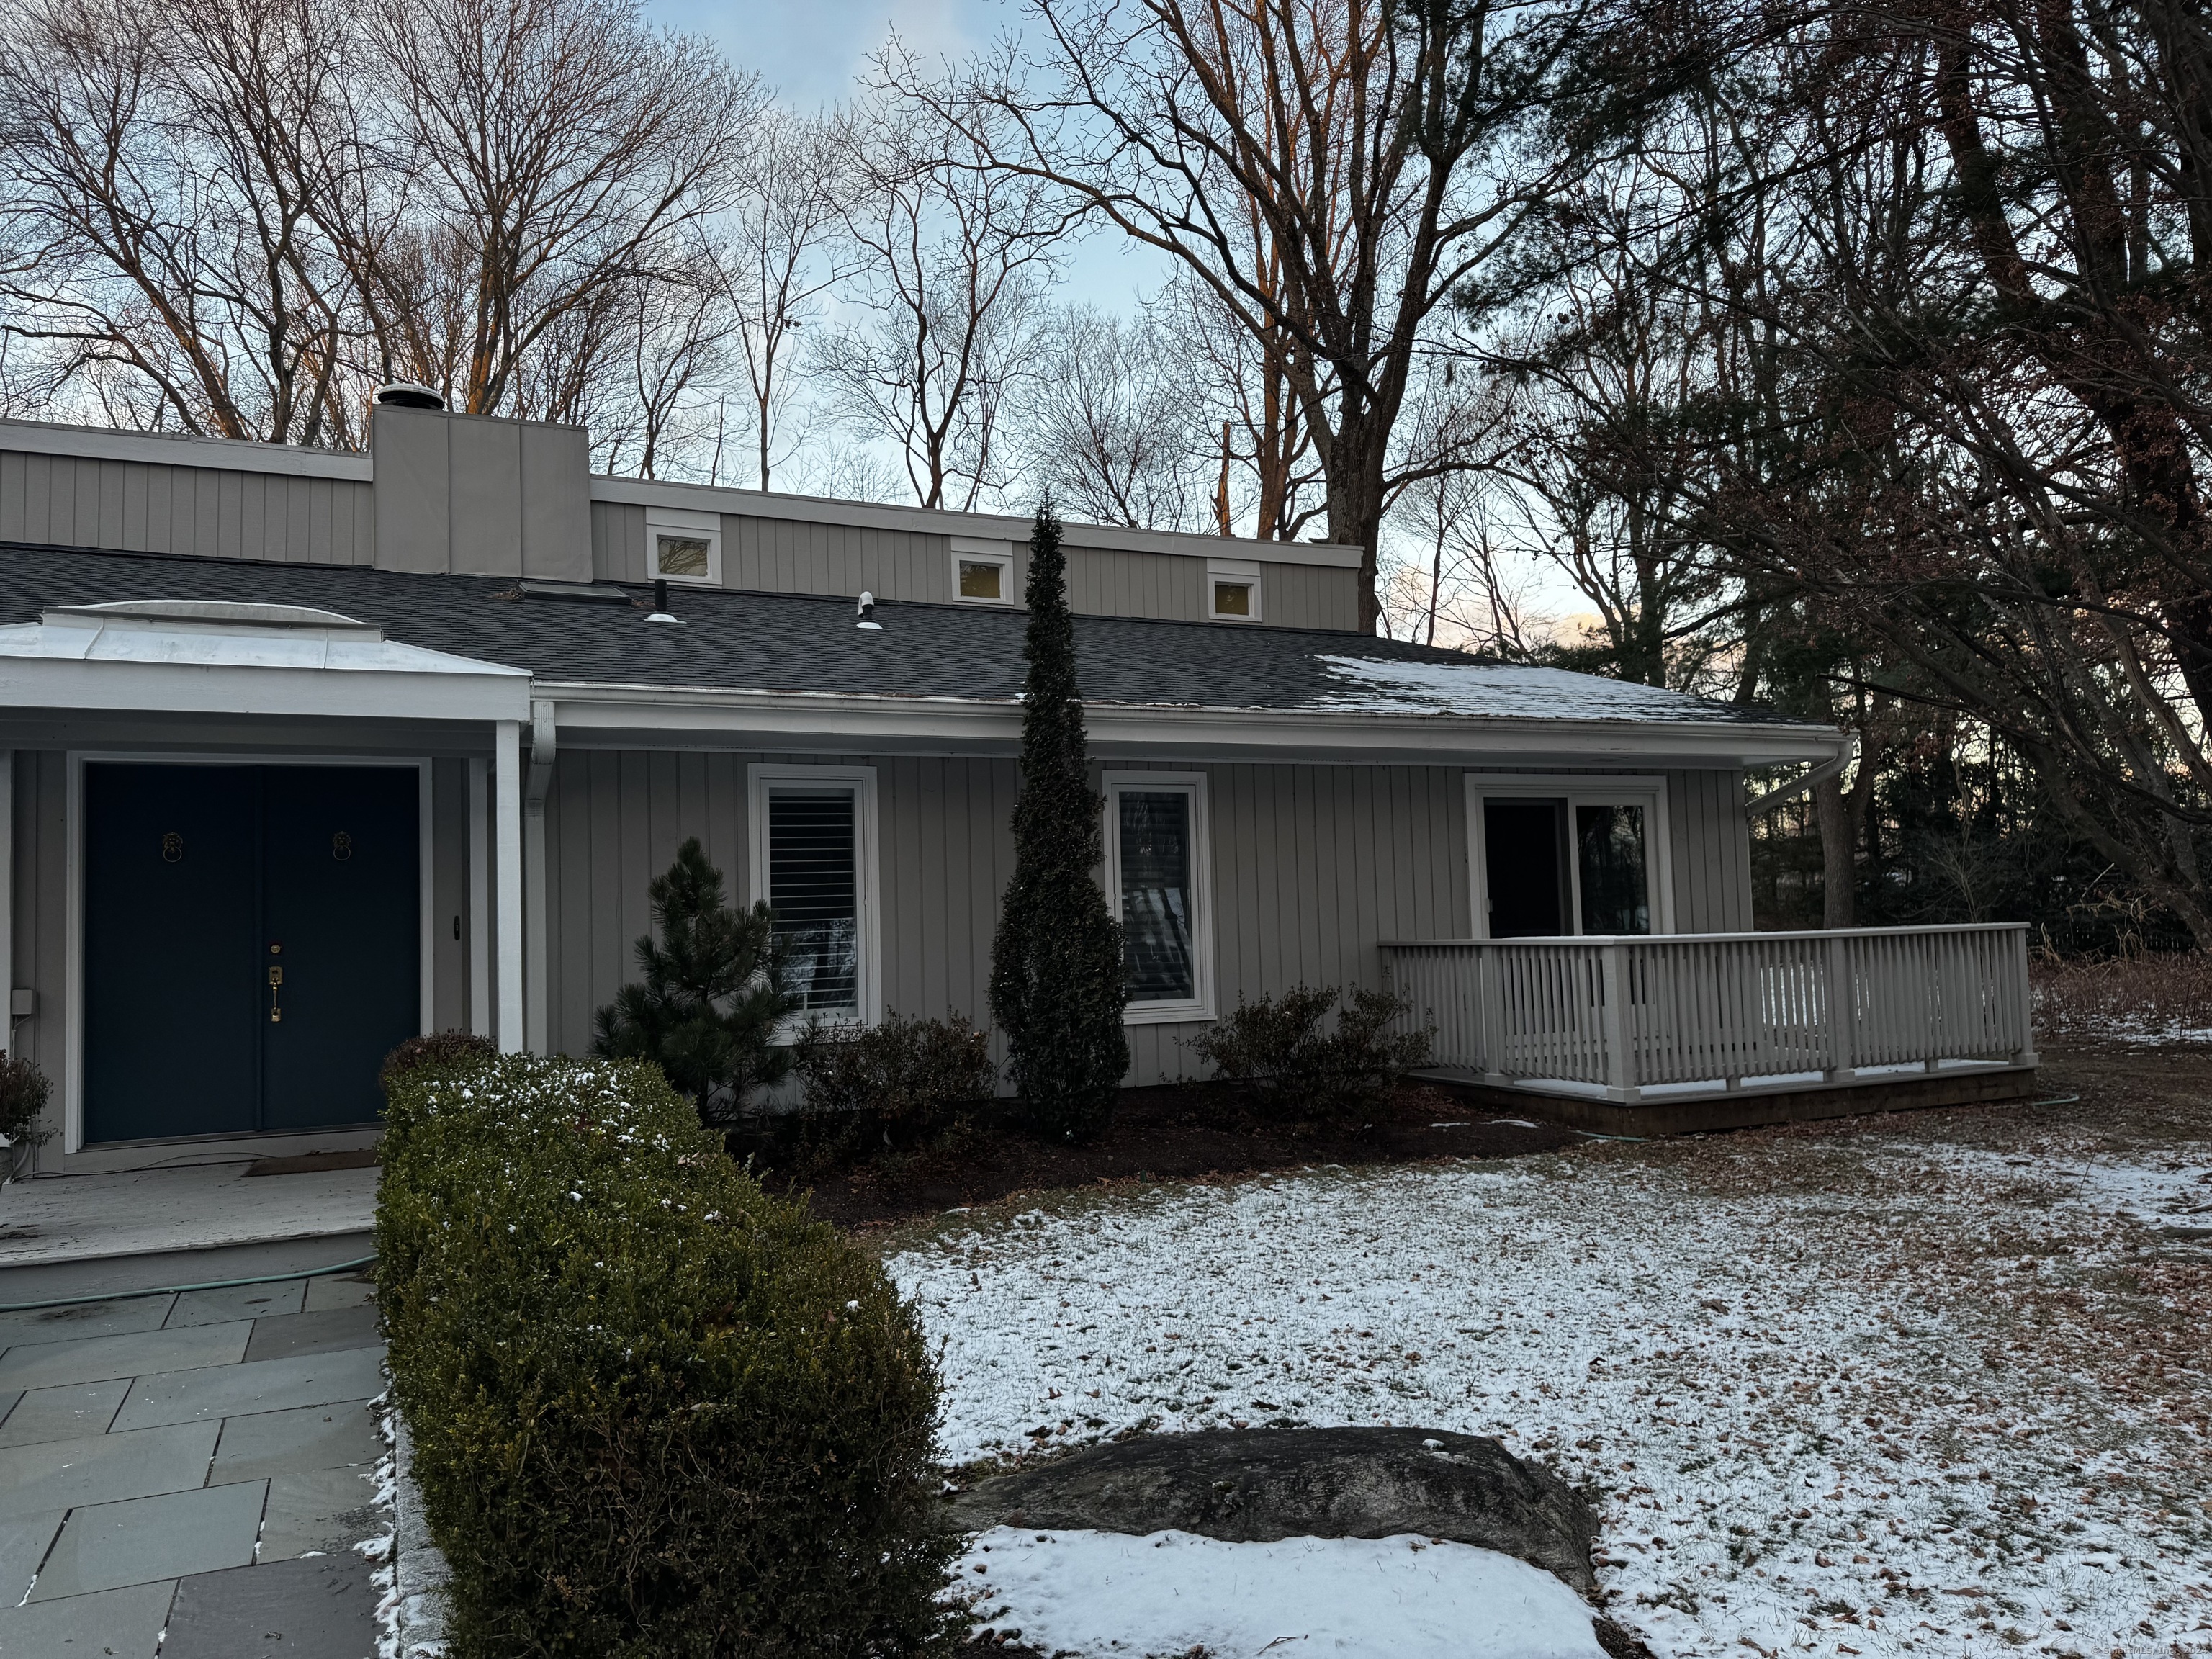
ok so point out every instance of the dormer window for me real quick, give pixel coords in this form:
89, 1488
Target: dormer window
982, 571
1232, 590
683, 547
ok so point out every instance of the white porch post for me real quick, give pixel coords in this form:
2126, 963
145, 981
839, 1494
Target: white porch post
508, 780
537, 1034
480, 897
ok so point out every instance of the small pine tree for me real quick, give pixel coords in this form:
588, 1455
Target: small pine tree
1057, 988
711, 997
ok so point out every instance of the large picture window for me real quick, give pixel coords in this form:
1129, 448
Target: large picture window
1156, 879
1560, 857
814, 862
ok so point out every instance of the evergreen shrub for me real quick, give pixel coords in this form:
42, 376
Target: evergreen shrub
1057, 981
443, 1051
902, 1079
1295, 1067
655, 1411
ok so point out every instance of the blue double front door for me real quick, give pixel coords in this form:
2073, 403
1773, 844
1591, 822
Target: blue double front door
252, 945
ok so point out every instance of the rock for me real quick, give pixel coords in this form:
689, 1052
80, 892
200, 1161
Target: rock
1258, 1485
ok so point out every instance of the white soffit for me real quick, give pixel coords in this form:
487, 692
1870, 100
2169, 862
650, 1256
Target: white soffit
206, 656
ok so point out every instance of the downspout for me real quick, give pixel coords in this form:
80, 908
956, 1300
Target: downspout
539, 781
1819, 774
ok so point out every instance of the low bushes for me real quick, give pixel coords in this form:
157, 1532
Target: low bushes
655, 1411
1293, 1070
901, 1080
439, 1051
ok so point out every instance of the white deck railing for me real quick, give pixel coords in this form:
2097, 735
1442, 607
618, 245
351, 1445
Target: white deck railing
1686, 1011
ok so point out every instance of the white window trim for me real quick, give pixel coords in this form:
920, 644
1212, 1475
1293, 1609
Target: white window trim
759, 779
1200, 1007
972, 550
708, 525
1585, 789
1236, 570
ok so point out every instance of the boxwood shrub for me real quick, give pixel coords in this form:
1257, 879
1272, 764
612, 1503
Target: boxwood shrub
655, 1411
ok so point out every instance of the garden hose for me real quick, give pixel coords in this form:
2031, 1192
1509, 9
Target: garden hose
178, 1290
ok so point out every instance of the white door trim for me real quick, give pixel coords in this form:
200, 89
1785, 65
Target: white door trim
73, 927
1576, 788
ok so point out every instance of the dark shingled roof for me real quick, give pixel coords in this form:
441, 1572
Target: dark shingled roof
795, 642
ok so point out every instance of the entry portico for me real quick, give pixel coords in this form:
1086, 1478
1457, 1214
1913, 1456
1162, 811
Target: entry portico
249, 838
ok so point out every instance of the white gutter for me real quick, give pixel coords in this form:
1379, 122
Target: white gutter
624, 714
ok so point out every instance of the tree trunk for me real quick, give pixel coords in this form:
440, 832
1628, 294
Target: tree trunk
1839, 855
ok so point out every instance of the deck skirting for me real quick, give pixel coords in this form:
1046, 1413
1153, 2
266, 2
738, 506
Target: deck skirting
1705, 1112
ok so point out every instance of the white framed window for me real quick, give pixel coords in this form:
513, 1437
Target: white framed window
1232, 590
813, 846
683, 547
1555, 857
982, 571
1159, 878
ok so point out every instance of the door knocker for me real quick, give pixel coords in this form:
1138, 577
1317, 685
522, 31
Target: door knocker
340, 847
173, 847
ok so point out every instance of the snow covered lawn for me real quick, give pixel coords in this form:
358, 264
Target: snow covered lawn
1935, 1387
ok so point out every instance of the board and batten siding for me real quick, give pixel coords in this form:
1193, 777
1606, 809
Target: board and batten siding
1311, 865
144, 507
785, 555
1711, 852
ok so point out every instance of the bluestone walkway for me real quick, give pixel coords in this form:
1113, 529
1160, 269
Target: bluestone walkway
184, 1475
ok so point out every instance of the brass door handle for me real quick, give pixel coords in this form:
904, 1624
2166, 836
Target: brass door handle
275, 980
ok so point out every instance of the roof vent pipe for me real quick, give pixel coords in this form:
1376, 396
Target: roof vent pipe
868, 613
405, 394
660, 611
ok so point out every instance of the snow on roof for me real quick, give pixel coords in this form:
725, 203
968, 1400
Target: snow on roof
1504, 691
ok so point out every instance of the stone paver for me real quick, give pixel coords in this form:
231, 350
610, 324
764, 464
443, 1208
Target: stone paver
137, 1313
123, 1623
108, 1545
337, 1437
64, 1413
207, 1393
203, 1462
320, 1510
96, 1358
238, 1302
331, 1330
324, 1608
339, 1291
101, 1468
23, 1542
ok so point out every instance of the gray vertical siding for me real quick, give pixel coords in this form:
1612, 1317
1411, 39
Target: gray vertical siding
41, 943
143, 507
1711, 852
476, 494
786, 556
1311, 865
449, 894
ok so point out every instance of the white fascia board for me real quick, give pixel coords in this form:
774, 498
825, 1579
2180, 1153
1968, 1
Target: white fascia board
65, 685
217, 454
625, 715
938, 521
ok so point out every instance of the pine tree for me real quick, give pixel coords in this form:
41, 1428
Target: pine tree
711, 997
1056, 978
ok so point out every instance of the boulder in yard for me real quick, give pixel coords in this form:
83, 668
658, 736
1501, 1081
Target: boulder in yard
1255, 1486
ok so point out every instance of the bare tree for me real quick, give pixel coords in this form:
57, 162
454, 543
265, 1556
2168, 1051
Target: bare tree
556, 151
161, 245
954, 260
782, 253
1106, 421
1369, 143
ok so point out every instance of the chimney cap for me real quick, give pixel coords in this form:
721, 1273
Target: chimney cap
406, 394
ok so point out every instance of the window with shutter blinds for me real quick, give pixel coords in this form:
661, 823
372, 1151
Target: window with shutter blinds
813, 887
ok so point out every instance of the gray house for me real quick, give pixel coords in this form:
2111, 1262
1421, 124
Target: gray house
308, 752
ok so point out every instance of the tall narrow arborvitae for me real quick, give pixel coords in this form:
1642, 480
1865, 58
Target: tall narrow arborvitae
1056, 976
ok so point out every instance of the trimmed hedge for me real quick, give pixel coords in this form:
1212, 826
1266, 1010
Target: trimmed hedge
655, 1411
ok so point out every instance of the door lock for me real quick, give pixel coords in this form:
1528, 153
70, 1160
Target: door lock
275, 982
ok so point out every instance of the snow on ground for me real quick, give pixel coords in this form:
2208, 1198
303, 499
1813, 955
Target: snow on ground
1869, 1394
1106, 1593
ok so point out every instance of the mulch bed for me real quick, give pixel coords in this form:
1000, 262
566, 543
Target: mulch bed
1180, 1132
